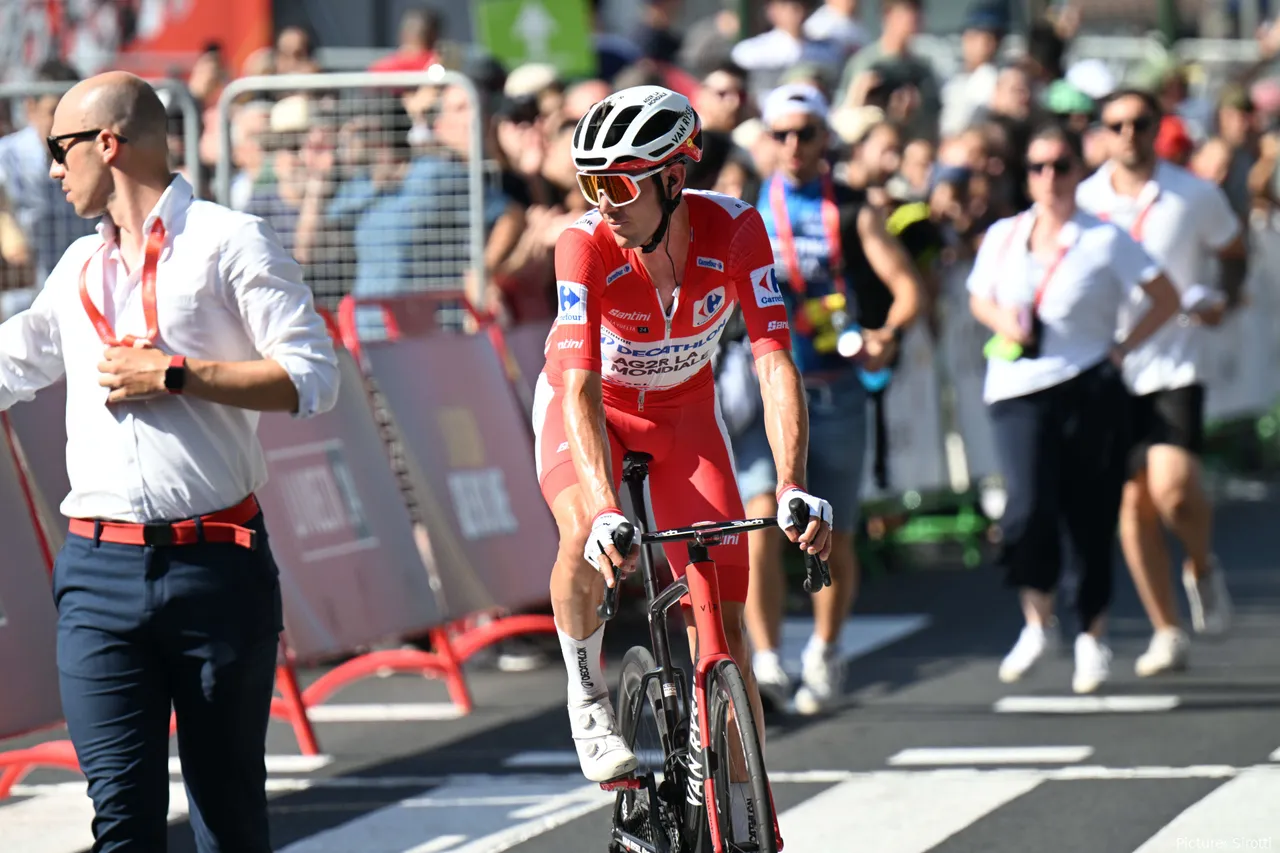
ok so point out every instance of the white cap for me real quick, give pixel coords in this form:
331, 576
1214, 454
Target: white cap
1092, 77
794, 98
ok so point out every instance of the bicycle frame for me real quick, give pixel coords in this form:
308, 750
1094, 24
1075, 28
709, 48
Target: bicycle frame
701, 589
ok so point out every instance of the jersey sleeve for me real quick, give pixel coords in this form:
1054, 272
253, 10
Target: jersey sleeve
756, 286
1218, 222
574, 343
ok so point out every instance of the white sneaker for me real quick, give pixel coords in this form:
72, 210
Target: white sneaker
603, 754
819, 681
1033, 643
1093, 664
771, 679
1209, 599
1168, 651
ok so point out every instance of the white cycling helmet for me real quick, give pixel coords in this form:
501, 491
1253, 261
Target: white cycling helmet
636, 130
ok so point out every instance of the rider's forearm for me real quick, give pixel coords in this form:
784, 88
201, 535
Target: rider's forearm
589, 445
786, 415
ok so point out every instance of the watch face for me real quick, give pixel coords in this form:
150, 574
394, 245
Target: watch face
173, 378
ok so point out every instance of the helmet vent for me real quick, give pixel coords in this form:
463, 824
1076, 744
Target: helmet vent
659, 124
619, 126
658, 152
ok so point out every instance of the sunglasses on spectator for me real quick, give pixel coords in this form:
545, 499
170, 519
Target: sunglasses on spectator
1141, 124
1060, 166
59, 153
619, 189
805, 134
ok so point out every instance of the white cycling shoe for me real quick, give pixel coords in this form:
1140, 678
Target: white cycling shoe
603, 754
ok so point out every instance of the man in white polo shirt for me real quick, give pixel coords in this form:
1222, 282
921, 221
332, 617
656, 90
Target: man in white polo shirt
1183, 222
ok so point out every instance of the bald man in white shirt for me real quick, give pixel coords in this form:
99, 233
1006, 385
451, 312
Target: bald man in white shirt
174, 325
1184, 223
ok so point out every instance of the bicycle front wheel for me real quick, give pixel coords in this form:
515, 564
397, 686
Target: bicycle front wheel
740, 785
647, 814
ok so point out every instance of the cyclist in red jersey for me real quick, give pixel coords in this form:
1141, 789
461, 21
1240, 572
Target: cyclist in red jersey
647, 282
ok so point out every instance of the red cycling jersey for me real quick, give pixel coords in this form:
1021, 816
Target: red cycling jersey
610, 320
659, 392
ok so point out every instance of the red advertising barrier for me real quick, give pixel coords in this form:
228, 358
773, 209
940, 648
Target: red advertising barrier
471, 466
29, 698
351, 573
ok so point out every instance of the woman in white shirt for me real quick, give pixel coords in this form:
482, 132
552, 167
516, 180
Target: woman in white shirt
1051, 283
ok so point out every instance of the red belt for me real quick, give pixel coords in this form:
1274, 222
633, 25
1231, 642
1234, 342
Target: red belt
226, 525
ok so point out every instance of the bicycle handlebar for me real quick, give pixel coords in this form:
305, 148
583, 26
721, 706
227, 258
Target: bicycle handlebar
817, 574
813, 565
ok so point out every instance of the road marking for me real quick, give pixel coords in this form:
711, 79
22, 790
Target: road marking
344, 712
509, 808
1085, 704
275, 763
896, 815
60, 822
859, 636
569, 758
1238, 815
990, 755
439, 845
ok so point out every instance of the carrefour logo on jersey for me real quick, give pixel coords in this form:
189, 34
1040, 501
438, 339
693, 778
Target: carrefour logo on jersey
706, 308
573, 303
764, 281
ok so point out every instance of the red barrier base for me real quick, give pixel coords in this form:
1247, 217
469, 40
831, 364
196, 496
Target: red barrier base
19, 762
467, 643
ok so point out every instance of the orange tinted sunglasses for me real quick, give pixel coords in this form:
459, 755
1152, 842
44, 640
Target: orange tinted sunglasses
620, 189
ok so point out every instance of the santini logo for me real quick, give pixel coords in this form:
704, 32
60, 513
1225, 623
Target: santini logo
777, 325
711, 264
631, 316
573, 303
569, 345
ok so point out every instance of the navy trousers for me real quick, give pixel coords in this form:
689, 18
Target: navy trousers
142, 629
1062, 452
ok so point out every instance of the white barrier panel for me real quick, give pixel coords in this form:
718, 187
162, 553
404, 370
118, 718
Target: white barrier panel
1241, 355
961, 345
350, 571
913, 421
29, 697
41, 429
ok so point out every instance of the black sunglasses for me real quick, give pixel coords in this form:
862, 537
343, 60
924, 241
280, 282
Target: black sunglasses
1061, 166
1141, 124
804, 134
59, 153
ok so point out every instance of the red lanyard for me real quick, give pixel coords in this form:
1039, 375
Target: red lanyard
1137, 229
1049, 271
151, 258
787, 240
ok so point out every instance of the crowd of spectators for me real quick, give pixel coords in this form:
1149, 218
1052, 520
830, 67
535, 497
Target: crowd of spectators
370, 190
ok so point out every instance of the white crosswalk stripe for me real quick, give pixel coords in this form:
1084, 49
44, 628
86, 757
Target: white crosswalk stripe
890, 811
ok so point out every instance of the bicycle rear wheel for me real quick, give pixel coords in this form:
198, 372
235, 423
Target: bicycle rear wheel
648, 813
742, 801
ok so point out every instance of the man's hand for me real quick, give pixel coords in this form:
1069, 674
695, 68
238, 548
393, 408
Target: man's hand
133, 373
601, 552
816, 538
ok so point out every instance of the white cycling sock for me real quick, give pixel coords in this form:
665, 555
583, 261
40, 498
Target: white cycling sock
817, 648
765, 658
586, 670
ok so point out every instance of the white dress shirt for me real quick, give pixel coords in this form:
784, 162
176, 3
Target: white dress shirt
225, 291
1081, 303
1188, 222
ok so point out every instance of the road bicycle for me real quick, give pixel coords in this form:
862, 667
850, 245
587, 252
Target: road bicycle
699, 750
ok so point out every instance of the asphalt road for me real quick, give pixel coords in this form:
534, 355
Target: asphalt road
929, 752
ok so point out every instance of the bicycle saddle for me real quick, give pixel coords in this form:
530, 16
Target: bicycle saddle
635, 457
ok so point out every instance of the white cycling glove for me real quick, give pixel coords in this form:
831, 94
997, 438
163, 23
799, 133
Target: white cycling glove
818, 508
601, 535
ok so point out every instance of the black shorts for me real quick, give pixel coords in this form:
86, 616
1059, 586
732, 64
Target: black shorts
1173, 417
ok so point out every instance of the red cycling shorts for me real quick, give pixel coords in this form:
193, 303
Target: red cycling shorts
690, 478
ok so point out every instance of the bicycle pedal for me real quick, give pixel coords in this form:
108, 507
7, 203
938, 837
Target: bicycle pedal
627, 783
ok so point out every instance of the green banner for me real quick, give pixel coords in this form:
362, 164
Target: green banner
557, 32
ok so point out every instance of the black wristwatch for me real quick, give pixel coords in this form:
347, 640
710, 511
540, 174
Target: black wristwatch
175, 375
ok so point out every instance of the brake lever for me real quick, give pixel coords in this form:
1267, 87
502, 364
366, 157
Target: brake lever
623, 536
814, 567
